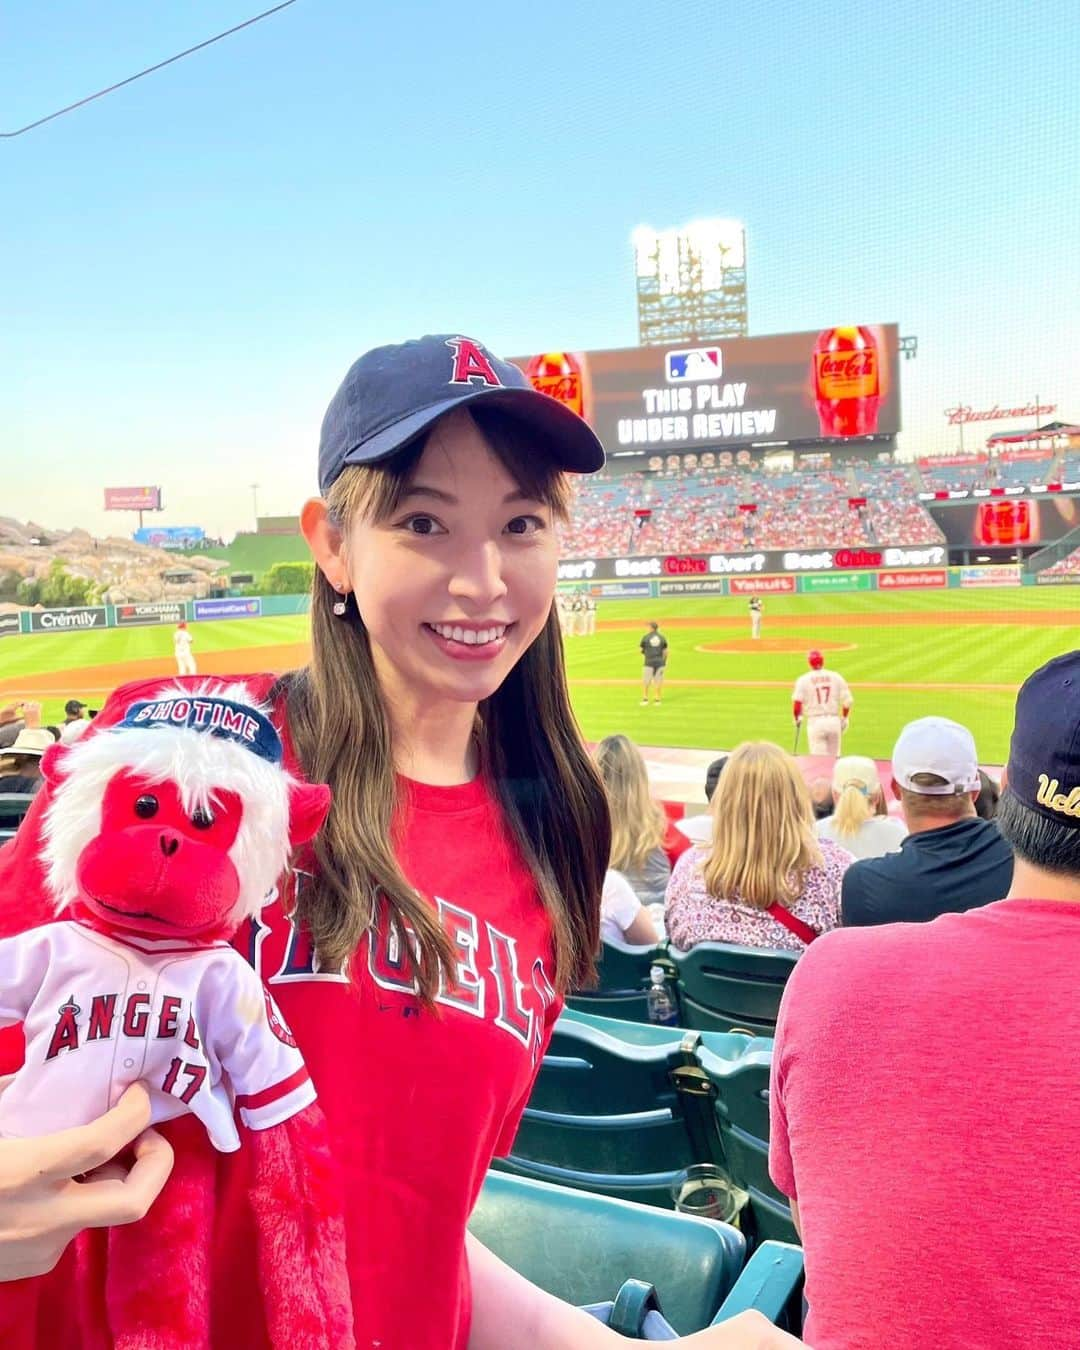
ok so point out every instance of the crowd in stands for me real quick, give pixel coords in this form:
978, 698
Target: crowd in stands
700, 512
24, 740
1064, 567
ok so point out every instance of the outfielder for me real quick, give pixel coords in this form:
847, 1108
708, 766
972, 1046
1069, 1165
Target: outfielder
824, 699
755, 617
185, 662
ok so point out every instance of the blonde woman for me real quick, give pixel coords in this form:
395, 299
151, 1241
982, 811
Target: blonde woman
860, 821
766, 880
638, 824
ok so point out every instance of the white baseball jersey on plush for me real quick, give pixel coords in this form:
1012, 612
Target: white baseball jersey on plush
193, 1023
823, 693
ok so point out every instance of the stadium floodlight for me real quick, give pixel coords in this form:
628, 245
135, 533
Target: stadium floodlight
691, 281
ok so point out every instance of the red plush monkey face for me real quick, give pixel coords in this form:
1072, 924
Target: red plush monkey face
156, 867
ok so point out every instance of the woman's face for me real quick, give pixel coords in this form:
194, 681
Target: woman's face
458, 581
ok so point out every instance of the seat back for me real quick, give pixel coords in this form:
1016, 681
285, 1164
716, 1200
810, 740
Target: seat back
740, 1076
13, 806
623, 983
582, 1247
605, 1114
723, 987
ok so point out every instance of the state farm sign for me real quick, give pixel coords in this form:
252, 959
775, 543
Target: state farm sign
912, 581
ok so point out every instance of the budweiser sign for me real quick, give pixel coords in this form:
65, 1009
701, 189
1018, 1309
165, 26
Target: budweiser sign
962, 413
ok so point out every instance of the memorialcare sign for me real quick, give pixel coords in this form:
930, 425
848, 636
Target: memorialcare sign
68, 620
228, 609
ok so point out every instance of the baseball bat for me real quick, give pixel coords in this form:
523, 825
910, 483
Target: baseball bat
795, 747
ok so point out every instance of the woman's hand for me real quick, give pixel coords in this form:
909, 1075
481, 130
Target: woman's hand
43, 1206
748, 1331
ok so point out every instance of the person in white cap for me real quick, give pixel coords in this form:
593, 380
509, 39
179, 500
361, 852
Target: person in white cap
20, 766
951, 860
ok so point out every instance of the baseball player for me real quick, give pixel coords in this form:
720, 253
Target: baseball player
590, 616
824, 699
755, 617
185, 662
654, 650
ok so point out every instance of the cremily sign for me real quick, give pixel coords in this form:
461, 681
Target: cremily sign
749, 564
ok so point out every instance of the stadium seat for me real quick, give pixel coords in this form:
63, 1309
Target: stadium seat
740, 1076
13, 806
583, 1247
622, 991
607, 1116
771, 1283
724, 988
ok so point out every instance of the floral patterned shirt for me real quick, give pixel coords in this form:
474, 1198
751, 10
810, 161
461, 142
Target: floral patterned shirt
691, 915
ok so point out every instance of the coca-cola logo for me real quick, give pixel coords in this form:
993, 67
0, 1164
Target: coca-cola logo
857, 557
681, 566
847, 365
566, 388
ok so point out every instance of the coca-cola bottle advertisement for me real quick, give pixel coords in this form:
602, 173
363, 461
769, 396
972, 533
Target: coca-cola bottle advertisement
562, 375
847, 376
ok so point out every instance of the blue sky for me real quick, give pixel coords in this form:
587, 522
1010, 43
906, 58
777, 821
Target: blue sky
190, 264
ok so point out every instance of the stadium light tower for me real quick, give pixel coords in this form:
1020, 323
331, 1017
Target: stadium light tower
691, 282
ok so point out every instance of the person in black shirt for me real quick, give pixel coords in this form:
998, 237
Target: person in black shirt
951, 860
654, 651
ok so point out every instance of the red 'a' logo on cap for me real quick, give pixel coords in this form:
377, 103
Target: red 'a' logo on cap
471, 362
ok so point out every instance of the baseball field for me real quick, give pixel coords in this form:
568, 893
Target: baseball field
960, 654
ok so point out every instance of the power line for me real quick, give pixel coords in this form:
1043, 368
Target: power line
6, 135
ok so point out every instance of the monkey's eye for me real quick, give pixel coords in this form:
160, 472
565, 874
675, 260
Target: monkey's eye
202, 820
146, 806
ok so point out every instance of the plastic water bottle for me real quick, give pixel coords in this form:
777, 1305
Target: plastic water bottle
662, 1009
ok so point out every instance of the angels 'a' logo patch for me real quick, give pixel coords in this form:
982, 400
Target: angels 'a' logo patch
278, 1025
472, 363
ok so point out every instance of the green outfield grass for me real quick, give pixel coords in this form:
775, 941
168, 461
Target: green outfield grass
980, 662
885, 649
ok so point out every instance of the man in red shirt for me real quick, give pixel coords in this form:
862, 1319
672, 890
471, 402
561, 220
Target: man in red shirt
925, 1093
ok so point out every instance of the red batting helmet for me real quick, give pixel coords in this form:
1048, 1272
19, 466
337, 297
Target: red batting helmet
816, 659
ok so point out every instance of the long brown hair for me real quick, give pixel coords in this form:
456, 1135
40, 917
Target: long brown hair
638, 824
531, 750
763, 841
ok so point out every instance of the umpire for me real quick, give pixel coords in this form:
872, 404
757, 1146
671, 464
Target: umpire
654, 650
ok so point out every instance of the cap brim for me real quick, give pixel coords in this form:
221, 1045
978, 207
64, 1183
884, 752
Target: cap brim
567, 439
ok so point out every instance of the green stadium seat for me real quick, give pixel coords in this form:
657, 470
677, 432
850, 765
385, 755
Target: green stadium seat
622, 990
13, 806
583, 1247
740, 1076
723, 987
605, 1114
771, 1283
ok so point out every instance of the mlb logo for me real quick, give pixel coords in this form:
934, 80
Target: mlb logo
698, 363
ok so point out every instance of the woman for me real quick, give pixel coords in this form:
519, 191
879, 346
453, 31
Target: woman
860, 821
421, 952
623, 918
638, 824
765, 880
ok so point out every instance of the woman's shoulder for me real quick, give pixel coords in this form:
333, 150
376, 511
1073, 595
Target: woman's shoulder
835, 858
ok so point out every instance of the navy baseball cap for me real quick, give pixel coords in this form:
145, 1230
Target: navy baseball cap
1044, 754
393, 394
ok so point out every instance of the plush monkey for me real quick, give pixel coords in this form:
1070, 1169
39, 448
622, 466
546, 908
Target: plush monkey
163, 834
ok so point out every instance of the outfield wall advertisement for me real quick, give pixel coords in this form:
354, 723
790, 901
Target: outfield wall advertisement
72, 620
663, 565
228, 609
9, 623
158, 611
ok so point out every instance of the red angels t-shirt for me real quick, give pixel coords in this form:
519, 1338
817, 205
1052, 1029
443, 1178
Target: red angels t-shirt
417, 1102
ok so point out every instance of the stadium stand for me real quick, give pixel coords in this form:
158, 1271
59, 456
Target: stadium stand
701, 512
1066, 567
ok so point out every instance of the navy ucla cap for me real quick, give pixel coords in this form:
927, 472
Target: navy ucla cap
393, 394
1044, 754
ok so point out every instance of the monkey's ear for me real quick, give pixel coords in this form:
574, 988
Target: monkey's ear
308, 807
52, 764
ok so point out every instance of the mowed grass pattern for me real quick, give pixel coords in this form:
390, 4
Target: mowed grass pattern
983, 658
